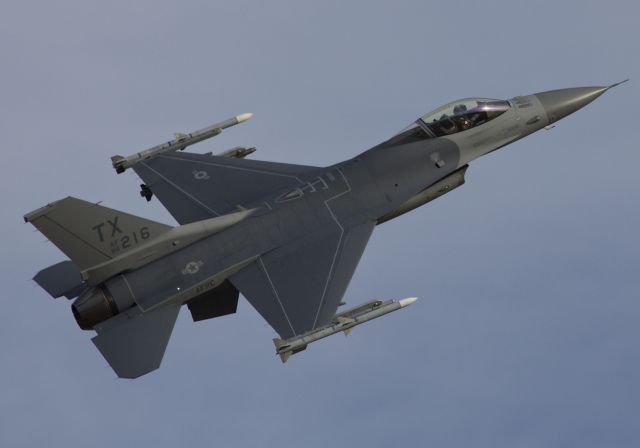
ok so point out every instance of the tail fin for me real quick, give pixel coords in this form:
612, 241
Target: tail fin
90, 234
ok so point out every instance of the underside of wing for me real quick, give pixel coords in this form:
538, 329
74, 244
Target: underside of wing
299, 286
193, 187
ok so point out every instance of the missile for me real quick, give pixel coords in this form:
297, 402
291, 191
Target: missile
341, 322
181, 141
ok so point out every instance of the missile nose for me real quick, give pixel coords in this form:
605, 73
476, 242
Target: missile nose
244, 117
406, 302
560, 103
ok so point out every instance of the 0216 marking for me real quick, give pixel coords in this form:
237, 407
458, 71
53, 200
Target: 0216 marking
129, 240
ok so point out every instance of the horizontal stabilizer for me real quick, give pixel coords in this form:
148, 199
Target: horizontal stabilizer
61, 279
134, 343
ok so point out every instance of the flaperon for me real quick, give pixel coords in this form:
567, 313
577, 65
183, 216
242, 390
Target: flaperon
288, 237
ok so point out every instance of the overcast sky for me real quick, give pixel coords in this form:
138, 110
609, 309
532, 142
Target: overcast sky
527, 331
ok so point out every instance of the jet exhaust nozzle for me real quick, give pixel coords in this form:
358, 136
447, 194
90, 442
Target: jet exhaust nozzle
94, 306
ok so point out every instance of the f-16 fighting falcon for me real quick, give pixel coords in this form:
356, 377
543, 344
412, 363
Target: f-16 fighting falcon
288, 237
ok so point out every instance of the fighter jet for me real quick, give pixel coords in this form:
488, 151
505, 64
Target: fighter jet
288, 237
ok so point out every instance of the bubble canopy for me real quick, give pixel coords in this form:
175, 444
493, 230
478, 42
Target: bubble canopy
454, 117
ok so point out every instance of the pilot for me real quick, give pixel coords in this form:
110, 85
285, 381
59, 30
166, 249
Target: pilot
447, 125
462, 120
459, 109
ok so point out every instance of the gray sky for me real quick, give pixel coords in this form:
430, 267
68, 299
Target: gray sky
526, 333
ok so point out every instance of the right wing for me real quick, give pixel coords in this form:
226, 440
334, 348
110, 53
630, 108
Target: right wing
298, 287
193, 187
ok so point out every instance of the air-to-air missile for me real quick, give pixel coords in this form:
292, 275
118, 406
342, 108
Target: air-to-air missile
341, 322
181, 141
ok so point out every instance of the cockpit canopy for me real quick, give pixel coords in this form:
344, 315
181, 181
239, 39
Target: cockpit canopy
463, 114
451, 118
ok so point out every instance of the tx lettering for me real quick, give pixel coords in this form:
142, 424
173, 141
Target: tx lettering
112, 224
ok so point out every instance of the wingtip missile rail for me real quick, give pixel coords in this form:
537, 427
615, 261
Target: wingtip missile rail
238, 152
181, 141
341, 322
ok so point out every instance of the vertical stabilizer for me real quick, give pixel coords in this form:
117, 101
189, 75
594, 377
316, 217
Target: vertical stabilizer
90, 234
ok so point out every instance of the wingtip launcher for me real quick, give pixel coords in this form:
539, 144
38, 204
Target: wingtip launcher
343, 322
181, 141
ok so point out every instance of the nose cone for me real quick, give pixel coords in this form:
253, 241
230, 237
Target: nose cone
560, 103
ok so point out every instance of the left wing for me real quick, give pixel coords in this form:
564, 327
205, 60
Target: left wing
298, 287
193, 187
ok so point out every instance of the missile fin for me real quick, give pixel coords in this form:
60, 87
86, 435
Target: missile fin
180, 136
344, 321
118, 163
279, 343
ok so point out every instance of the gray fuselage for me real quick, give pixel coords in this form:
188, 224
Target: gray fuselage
355, 191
